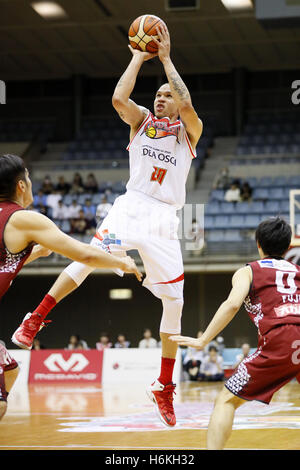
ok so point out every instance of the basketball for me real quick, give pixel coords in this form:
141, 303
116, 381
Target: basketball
141, 30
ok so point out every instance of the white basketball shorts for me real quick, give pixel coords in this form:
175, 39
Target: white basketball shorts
139, 222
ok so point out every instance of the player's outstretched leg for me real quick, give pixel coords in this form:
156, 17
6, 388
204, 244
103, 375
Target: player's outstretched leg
35, 321
221, 420
162, 390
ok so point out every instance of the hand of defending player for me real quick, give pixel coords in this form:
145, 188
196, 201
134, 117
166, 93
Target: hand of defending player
129, 266
163, 42
144, 55
41, 251
188, 341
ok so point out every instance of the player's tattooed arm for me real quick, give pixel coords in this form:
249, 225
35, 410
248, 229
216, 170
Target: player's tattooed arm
178, 87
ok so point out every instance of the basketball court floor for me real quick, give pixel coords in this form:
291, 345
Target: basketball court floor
84, 417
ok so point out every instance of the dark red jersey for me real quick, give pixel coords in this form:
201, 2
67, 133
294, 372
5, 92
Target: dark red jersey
274, 297
10, 263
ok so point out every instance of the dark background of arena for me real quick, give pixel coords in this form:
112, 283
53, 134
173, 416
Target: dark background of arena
64, 72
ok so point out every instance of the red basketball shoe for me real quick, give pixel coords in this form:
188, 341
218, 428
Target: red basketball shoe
30, 326
162, 397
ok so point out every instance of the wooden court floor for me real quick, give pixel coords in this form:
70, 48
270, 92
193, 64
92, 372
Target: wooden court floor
67, 417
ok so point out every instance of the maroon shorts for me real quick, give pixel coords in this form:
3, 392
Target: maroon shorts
6, 363
274, 363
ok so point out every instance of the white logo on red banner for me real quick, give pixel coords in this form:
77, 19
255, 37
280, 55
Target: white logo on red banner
76, 363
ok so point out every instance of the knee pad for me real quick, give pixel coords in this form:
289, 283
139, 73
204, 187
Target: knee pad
171, 316
78, 272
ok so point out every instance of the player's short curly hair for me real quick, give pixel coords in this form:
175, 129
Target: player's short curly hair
274, 236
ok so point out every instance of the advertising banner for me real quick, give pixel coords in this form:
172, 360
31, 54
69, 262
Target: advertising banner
63, 366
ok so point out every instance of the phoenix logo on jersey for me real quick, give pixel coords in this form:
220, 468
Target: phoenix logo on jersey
160, 129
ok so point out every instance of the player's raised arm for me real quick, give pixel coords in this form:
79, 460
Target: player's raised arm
180, 92
36, 228
127, 109
241, 282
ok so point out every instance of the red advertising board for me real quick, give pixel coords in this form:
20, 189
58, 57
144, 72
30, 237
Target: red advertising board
62, 366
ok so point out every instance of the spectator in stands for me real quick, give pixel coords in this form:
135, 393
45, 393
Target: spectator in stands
36, 345
77, 186
74, 209
233, 194
122, 342
91, 185
245, 353
211, 368
223, 180
42, 209
104, 342
75, 342
47, 185
79, 225
61, 212
192, 360
89, 210
218, 343
246, 192
53, 199
62, 186
102, 209
148, 341
40, 198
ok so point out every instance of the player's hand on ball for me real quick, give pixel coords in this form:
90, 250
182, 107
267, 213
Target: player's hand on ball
163, 42
187, 341
144, 55
130, 267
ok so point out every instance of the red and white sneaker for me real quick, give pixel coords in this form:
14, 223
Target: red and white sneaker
162, 397
30, 326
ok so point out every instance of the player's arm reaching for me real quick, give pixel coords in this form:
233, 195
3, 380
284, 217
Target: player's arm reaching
180, 92
241, 282
127, 109
33, 227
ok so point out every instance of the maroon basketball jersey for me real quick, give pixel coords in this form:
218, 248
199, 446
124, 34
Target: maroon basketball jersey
10, 264
274, 297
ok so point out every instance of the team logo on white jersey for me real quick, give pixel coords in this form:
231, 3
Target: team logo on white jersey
160, 129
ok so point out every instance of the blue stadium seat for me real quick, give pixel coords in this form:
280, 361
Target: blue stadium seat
272, 207
276, 193
284, 205
221, 221
265, 182
217, 195
227, 208
242, 208
256, 207
236, 221
212, 208
260, 194
214, 236
232, 236
209, 222
279, 181
251, 221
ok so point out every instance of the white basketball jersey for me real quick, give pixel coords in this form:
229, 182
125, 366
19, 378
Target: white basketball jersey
160, 156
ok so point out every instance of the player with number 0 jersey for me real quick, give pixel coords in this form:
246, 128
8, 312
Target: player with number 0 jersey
270, 291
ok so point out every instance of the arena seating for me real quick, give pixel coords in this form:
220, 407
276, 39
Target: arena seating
268, 134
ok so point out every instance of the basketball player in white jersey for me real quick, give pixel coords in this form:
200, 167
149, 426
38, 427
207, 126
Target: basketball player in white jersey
162, 146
